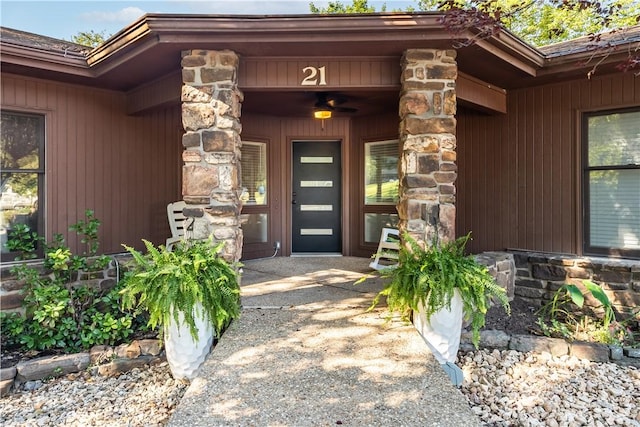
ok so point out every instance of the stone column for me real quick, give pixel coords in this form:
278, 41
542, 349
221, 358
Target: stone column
427, 168
211, 104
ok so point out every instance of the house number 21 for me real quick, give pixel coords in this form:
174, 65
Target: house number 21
314, 76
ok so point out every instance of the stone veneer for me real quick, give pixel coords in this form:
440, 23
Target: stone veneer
211, 103
539, 275
427, 168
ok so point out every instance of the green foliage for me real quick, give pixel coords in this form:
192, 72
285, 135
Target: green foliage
70, 319
335, 7
90, 38
428, 278
543, 22
60, 314
566, 316
24, 241
166, 283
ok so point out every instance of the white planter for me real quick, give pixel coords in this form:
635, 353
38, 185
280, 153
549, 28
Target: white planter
184, 355
442, 331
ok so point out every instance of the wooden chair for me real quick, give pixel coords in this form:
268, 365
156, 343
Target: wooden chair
177, 223
387, 249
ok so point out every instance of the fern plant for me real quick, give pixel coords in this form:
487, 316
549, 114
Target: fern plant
167, 283
428, 278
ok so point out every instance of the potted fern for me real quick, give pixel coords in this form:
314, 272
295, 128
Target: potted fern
439, 286
192, 292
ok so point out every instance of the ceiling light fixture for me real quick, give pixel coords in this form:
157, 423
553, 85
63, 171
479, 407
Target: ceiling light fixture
322, 114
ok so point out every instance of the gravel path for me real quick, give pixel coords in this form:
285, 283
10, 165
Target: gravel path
505, 388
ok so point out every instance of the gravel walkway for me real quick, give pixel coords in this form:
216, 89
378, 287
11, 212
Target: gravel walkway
504, 388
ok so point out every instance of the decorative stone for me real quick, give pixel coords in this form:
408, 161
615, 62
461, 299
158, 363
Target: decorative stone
428, 163
414, 103
150, 347
11, 300
419, 181
218, 140
8, 373
5, 387
128, 351
201, 94
527, 343
615, 352
193, 61
548, 272
199, 180
51, 366
101, 353
197, 116
416, 126
210, 75
590, 351
632, 352
119, 366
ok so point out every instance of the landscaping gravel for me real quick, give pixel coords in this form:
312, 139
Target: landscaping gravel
508, 388
141, 397
504, 388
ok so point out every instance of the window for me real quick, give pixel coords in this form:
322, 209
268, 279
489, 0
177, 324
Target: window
612, 183
253, 165
380, 187
22, 176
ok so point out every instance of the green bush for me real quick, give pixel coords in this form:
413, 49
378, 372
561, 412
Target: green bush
59, 313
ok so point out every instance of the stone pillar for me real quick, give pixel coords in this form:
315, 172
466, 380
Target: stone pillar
211, 104
427, 168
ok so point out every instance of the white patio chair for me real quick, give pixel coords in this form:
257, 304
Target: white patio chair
177, 222
387, 249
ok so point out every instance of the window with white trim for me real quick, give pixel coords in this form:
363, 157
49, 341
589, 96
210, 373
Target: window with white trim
611, 183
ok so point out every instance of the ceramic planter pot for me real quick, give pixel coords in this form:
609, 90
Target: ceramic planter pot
185, 355
442, 331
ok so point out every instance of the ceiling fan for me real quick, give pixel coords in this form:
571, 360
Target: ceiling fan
328, 101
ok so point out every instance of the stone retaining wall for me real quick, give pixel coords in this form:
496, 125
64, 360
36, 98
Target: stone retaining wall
539, 275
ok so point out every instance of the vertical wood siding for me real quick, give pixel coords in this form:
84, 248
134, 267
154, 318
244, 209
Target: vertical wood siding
125, 168
518, 179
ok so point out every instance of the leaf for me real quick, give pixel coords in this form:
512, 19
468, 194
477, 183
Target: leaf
575, 294
597, 293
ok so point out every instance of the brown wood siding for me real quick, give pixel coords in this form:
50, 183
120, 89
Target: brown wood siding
519, 175
339, 73
125, 168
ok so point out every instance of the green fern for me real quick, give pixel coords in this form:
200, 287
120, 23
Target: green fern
166, 283
429, 276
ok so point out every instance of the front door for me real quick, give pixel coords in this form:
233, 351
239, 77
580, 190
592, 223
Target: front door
316, 202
